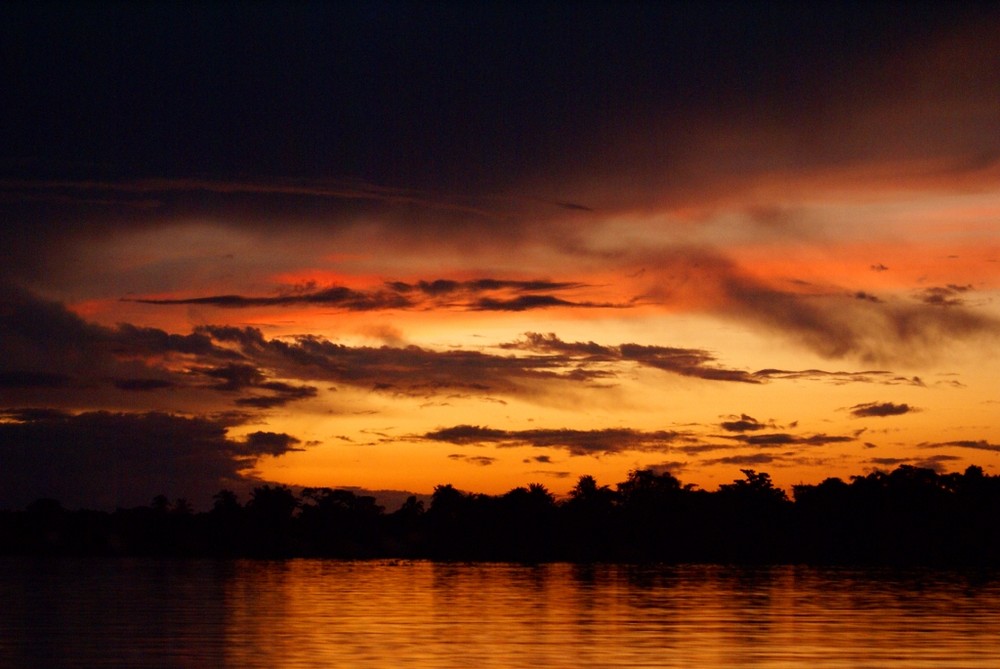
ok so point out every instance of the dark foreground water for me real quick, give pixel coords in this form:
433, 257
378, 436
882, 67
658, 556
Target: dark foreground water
318, 613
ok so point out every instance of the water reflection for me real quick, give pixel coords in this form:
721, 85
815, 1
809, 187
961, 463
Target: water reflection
134, 613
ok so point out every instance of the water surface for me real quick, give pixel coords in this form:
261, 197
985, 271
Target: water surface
309, 613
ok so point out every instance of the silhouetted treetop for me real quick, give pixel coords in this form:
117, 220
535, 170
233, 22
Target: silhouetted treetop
907, 515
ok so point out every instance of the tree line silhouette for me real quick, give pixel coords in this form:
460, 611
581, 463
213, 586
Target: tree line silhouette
908, 516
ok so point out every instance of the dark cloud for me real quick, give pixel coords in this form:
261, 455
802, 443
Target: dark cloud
576, 442
168, 193
143, 384
880, 377
695, 449
573, 206
132, 339
671, 467
888, 462
751, 459
106, 460
337, 296
742, 423
553, 474
408, 370
935, 462
480, 460
981, 445
241, 377
283, 393
944, 296
532, 91
550, 343
58, 352
938, 463
785, 439
22, 379
271, 443
862, 295
476, 295
62, 358
684, 361
825, 319
467, 434
31, 414
447, 286
525, 302
838, 326
877, 409
879, 267
234, 376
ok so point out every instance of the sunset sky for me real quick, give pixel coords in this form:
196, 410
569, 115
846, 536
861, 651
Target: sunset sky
395, 245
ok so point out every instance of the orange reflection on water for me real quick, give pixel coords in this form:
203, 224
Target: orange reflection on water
375, 614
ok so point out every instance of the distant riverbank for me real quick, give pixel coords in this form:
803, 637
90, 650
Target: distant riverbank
910, 516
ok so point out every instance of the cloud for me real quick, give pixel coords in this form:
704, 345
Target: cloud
63, 360
283, 393
686, 362
879, 409
236, 377
944, 296
828, 320
694, 362
475, 295
143, 384
172, 193
938, 463
573, 206
24, 379
550, 343
449, 287
785, 439
106, 460
838, 326
696, 449
480, 460
888, 462
742, 423
576, 442
525, 302
683, 361
409, 370
50, 355
751, 459
553, 473
980, 445
669, 467
271, 443
336, 296
934, 462
862, 295
880, 377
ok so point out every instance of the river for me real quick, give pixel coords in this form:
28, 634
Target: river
323, 613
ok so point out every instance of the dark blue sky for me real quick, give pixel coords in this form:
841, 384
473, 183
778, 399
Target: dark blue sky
443, 95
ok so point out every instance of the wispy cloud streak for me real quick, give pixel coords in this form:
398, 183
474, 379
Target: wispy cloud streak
576, 442
477, 295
